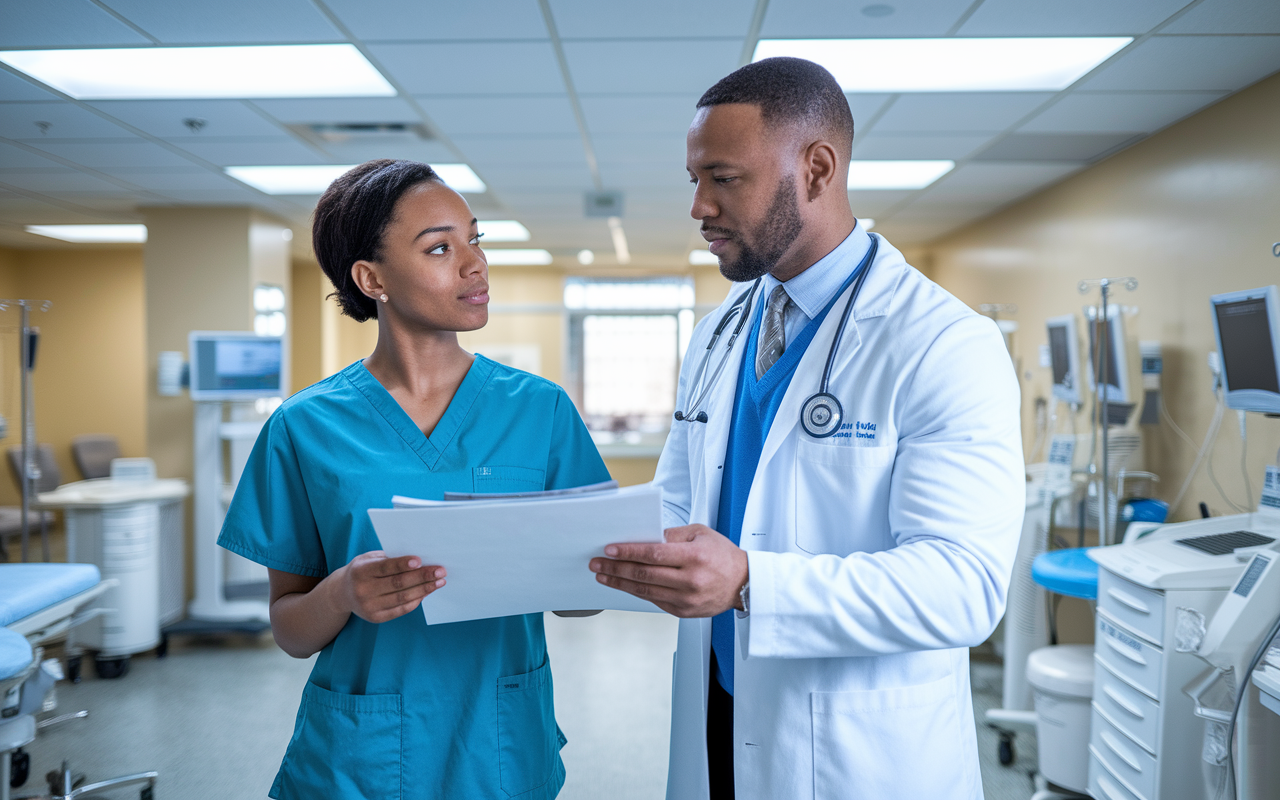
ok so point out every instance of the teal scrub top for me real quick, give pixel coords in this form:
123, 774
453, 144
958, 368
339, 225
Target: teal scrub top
402, 709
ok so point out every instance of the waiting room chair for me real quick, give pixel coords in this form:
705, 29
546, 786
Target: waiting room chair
93, 453
11, 516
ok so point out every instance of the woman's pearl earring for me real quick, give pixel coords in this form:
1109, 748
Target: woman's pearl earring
383, 298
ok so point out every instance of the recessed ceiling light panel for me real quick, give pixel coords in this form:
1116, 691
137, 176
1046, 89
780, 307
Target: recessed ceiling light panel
511, 257
150, 73
460, 178
896, 174
315, 178
951, 65
503, 230
96, 234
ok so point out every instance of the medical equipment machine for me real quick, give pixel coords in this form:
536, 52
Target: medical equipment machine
1064, 359
1108, 362
1247, 327
821, 414
235, 365
1237, 639
1152, 367
1154, 595
39, 603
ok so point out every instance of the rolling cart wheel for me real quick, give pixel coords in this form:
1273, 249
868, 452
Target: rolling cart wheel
111, 667
162, 649
147, 793
1005, 750
19, 768
73, 668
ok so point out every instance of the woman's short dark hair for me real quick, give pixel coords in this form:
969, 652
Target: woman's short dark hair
352, 216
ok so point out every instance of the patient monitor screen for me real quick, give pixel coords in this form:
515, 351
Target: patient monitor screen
1099, 329
1247, 353
238, 365
1060, 355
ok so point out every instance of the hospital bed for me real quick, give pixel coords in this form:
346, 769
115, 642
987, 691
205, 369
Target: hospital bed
39, 603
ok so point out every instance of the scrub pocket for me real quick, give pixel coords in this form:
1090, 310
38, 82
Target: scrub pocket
902, 742
497, 479
344, 745
529, 740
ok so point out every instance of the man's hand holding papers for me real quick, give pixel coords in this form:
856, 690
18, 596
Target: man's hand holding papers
697, 572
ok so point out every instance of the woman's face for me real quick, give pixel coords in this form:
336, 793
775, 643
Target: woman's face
432, 269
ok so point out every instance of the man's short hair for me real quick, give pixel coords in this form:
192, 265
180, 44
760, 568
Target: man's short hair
790, 91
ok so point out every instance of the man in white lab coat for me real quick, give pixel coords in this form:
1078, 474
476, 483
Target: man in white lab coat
831, 573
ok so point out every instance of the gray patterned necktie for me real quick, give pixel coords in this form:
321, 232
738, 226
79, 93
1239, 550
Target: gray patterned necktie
773, 337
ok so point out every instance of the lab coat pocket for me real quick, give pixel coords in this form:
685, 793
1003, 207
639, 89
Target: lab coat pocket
498, 479
903, 743
529, 740
344, 745
839, 489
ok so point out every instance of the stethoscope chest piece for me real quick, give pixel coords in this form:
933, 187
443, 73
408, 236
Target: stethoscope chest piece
821, 415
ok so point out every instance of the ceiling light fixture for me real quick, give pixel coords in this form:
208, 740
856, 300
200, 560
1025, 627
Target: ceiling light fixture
315, 178
152, 73
620, 249
512, 257
95, 234
585, 257
867, 223
896, 174
503, 230
952, 65
703, 258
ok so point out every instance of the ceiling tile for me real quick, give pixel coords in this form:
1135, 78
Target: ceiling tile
1196, 63
625, 176
511, 116
246, 152
659, 150
25, 210
1089, 112
415, 20
955, 112
652, 67
865, 107
996, 183
559, 201
503, 150
62, 23
876, 203
1229, 16
1057, 146
165, 118
229, 21
57, 181
917, 146
800, 19
357, 151
669, 114
653, 19
209, 197
15, 157
1077, 18
455, 68
340, 109
178, 179
66, 121
106, 155
534, 176
16, 88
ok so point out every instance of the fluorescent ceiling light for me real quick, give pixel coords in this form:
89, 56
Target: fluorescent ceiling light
896, 174
92, 233
620, 249
315, 178
701, 258
513, 257
308, 70
951, 65
460, 178
503, 230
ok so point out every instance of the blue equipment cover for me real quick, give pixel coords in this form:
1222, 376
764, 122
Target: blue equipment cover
1070, 572
27, 588
15, 654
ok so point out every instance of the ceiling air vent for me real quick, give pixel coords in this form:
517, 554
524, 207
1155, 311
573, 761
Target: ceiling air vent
338, 133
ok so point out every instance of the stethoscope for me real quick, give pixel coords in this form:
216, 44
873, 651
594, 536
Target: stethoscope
821, 414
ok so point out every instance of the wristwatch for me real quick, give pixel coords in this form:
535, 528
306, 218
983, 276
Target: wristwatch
744, 594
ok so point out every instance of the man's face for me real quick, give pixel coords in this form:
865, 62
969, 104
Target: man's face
746, 193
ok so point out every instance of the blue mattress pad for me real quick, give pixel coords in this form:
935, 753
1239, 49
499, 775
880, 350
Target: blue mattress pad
15, 654
27, 588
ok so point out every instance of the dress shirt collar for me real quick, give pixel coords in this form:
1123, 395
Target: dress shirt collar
812, 289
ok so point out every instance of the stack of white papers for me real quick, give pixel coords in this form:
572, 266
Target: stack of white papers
520, 556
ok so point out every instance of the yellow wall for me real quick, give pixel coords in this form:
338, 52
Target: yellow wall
90, 373
1189, 212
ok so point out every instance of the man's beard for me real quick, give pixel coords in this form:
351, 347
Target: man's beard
781, 227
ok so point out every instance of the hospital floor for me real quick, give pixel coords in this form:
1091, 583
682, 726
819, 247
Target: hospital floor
215, 715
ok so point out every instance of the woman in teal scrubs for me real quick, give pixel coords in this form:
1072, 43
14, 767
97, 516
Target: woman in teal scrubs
395, 708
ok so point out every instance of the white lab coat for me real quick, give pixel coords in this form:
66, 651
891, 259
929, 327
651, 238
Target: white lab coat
875, 559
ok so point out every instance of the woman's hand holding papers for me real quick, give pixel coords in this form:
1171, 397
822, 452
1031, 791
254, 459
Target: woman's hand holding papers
697, 572
377, 589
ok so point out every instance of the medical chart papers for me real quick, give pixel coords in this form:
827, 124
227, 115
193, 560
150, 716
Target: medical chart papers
510, 557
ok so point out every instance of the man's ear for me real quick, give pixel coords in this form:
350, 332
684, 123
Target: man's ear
820, 169
366, 278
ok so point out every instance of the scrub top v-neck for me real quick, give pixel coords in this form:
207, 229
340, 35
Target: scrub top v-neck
402, 709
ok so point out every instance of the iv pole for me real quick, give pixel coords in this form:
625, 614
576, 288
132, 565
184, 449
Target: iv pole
30, 472
1100, 388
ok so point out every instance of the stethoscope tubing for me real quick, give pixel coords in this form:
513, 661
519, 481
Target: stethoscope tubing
864, 268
